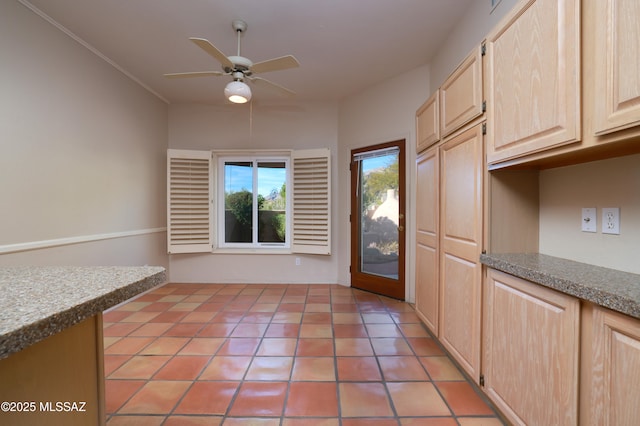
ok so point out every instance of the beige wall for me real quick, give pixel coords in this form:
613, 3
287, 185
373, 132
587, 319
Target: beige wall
83, 152
285, 125
384, 113
565, 191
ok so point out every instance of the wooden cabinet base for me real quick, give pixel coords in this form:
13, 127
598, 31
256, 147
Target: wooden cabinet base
58, 381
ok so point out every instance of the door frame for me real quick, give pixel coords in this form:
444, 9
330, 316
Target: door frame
368, 282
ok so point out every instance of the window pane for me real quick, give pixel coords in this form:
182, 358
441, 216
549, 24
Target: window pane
272, 178
238, 201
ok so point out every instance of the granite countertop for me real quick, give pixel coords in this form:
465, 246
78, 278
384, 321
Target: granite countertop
610, 288
38, 302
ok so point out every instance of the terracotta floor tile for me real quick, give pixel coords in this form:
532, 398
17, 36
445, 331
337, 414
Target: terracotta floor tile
117, 392
193, 421
120, 329
402, 368
463, 399
277, 347
412, 399
318, 307
314, 369
290, 308
184, 330
165, 346
358, 369
198, 317
202, 346
310, 422
391, 346
228, 317
182, 368
480, 421
346, 318
282, 330
142, 317
156, 397
113, 362
140, 367
249, 330
257, 318
197, 298
266, 309
173, 316
344, 307
158, 307
424, 346
369, 422
313, 399
239, 346
135, 421
353, 347
109, 341
413, 330
377, 318
433, 421
287, 318
128, 345
315, 347
207, 398
152, 329
251, 421
316, 331
364, 400
226, 368
210, 307
134, 305
350, 330
405, 317
440, 368
270, 368
172, 298
383, 330
316, 318
259, 399
115, 316
217, 330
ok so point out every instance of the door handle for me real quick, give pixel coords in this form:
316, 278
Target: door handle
400, 228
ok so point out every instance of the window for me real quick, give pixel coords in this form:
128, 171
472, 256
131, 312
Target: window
249, 201
252, 200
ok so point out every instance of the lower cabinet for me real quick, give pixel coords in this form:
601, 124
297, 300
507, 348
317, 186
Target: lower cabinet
531, 351
612, 359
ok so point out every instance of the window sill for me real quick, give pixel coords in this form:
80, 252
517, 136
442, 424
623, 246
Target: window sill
255, 250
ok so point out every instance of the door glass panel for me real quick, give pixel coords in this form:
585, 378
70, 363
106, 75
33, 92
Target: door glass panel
380, 211
272, 195
238, 201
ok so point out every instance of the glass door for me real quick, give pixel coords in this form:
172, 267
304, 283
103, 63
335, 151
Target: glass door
378, 219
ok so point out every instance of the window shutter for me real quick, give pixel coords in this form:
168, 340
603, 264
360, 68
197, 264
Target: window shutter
189, 185
311, 222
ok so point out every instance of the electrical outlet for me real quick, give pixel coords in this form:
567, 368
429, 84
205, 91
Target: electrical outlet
611, 220
298, 261
589, 219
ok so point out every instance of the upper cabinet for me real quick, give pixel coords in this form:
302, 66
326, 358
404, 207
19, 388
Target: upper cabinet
461, 94
427, 123
533, 79
617, 53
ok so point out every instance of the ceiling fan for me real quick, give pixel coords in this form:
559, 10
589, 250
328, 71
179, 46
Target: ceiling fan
240, 68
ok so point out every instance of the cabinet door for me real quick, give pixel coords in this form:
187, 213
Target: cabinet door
427, 217
531, 351
615, 393
533, 79
427, 125
461, 94
617, 83
462, 171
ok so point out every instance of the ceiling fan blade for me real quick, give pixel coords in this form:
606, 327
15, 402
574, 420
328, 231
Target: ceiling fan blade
194, 74
270, 84
276, 64
206, 45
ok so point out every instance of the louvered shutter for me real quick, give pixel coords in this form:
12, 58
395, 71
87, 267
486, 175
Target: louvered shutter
311, 222
189, 184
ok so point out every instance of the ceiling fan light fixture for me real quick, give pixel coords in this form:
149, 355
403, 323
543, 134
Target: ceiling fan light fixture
238, 92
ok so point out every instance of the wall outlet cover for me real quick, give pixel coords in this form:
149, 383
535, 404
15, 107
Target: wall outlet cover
611, 220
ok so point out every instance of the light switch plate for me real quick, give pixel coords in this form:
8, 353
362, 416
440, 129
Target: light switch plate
611, 220
589, 219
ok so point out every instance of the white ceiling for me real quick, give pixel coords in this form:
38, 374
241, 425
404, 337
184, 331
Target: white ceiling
343, 46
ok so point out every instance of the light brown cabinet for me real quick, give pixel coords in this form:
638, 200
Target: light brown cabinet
427, 123
612, 394
531, 351
533, 79
617, 49
461, 243
427, 225
461, 94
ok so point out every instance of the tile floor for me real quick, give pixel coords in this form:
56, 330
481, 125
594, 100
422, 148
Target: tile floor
289, 355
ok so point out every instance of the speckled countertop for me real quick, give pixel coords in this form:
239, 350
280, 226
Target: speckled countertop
610, 288
38, 302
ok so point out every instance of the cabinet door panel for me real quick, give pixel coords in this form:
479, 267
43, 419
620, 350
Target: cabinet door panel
616, 369
427, 199
617, 100
533, 81
461, 94
531, 351
427, 123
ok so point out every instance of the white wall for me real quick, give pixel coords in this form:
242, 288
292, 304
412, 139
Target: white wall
384, 113
286, 125
83, 152
565, 191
